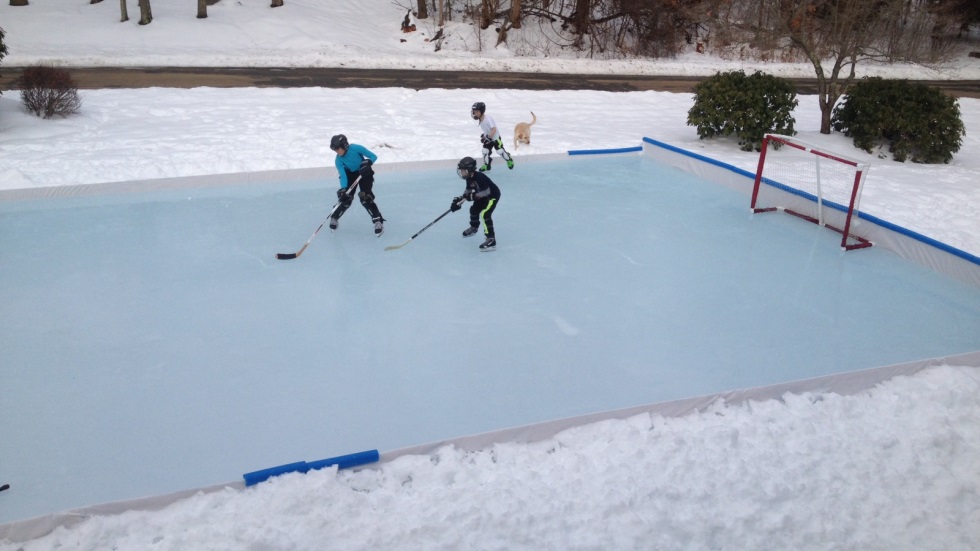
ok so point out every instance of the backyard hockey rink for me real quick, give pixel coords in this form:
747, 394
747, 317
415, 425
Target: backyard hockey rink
172, 350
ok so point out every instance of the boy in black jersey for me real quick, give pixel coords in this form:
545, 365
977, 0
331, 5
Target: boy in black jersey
485, 194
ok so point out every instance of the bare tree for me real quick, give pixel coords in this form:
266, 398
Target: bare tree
833, 35
582, 16
123, 12
488, 8
423, 9
202, 9
146, 14
962, 12
18, 2
515, 14
276, 3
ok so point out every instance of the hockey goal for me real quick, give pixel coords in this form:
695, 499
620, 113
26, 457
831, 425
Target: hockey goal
812, 183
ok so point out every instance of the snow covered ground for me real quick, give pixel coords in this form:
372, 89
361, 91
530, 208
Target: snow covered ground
124, 135
891, 468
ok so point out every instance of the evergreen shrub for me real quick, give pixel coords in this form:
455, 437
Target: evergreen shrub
747, 106
3, 49
914, 120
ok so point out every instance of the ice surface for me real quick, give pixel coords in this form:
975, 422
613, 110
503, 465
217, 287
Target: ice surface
156, 344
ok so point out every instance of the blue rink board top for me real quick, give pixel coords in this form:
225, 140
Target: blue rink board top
153, 343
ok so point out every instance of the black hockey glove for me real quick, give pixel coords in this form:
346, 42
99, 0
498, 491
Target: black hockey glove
342, 195
487, 142
457, 204
365, 170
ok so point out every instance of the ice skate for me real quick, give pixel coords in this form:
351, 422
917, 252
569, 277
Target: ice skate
489, 245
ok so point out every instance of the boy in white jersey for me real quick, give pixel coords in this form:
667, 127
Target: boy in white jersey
490, 138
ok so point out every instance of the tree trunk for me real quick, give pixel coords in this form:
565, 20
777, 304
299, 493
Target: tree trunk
202, 9
94, 1
502, 33
581, 16
423, 10
485, 14
146, 14
515, 14
826, 97
276, 3
123, 12
831, 88
18, 2
826, 104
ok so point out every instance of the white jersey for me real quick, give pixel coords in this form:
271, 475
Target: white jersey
488, 125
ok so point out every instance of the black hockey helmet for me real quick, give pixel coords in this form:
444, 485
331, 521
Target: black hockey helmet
478, 106
466, 165
339, 142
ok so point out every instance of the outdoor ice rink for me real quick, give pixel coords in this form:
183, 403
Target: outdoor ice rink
151, 342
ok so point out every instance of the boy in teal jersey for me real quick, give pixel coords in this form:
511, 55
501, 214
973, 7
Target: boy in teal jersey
355, 160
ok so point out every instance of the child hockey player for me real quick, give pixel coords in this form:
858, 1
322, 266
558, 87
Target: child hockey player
485, 194
490, 138
355, 160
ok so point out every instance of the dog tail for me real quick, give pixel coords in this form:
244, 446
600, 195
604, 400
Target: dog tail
533, 119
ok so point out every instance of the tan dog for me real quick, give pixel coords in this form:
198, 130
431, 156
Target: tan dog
522, 131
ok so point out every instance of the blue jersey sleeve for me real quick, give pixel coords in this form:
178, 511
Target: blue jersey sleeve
351, 161
364, 153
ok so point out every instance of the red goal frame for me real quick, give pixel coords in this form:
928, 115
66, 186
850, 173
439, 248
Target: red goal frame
830, 214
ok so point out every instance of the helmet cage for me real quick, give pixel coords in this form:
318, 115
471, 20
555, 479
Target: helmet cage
466, 167
478, 107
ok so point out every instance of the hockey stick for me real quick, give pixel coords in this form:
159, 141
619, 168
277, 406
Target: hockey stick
290, 256
393, 247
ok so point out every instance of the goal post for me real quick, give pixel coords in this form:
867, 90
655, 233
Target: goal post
811, 183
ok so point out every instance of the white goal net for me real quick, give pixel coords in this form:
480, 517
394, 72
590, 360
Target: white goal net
811, 183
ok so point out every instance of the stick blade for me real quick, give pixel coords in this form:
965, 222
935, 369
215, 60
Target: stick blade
290, 256
393, 247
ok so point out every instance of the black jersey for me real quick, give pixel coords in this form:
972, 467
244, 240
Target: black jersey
483, 186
